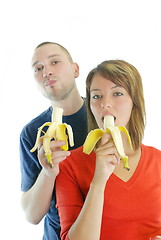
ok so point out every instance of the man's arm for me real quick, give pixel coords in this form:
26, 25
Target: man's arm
36, 201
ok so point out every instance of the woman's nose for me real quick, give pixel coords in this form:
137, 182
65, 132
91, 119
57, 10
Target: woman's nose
105, 103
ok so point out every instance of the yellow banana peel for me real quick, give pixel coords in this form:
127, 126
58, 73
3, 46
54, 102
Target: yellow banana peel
57, 130
109, 127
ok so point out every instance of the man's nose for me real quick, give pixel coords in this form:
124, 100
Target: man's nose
47, 72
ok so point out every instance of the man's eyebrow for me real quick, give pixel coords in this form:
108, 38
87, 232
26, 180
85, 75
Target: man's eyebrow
35, 63
54, 55
50, 56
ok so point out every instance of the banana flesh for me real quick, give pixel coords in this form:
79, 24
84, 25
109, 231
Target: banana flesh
58, 131
109, 127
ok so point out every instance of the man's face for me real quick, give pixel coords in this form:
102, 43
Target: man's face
54, 72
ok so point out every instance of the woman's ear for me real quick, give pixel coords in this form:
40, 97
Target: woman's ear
76, 70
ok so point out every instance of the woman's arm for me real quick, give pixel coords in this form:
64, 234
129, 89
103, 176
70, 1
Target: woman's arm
87, 224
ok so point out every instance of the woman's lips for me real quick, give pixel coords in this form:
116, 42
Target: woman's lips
106, 115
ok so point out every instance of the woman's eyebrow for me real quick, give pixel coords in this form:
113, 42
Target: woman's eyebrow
96, 89
116, 86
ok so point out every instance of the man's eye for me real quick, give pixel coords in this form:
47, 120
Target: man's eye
38, 69
55, 62
118, 94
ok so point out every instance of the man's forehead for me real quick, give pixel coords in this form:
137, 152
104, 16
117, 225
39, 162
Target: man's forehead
44, 53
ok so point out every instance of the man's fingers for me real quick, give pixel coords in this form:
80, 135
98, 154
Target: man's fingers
57, 154
56, 144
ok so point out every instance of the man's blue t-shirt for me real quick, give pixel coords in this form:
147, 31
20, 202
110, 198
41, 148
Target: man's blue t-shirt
30, 167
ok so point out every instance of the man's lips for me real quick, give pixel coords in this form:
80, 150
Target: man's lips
50, 83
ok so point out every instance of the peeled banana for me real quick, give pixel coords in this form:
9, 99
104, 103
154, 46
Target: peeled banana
109, 127
57, 130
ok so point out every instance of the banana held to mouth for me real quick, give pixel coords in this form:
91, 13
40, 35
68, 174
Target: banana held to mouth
109, 127
57, 130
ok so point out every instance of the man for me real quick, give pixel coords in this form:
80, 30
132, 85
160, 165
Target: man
55, 73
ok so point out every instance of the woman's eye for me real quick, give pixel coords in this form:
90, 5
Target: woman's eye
96, 96
118, 94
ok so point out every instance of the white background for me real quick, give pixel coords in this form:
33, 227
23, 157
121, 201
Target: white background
93, 31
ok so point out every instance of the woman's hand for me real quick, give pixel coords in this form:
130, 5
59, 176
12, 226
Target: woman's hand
106, 159
156, 237
58, 155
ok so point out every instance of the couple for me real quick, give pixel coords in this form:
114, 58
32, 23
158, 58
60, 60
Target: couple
96, 197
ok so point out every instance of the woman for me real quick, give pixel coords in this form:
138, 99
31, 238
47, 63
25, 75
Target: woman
97, 198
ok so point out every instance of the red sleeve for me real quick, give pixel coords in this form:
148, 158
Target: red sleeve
69, 198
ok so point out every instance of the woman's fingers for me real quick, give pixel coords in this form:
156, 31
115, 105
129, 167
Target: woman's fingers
105, 138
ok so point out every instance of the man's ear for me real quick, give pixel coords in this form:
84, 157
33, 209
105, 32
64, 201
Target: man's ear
76, 70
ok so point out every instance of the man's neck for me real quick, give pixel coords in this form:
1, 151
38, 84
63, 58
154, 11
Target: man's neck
71, 104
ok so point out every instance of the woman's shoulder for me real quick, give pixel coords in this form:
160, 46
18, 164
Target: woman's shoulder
78, 158
150, 149
151, 154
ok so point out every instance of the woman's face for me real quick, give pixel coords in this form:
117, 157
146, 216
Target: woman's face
106, 98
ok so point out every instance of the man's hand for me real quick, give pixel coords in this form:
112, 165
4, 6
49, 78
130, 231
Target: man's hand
58, 155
